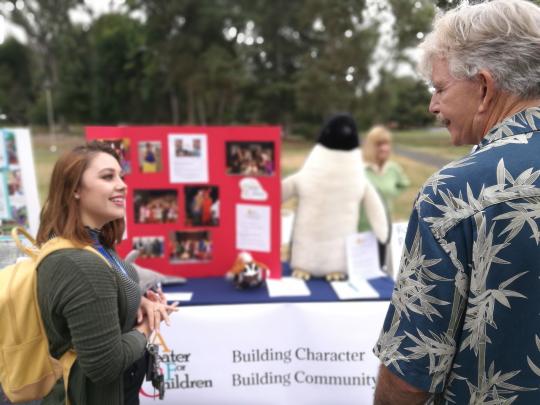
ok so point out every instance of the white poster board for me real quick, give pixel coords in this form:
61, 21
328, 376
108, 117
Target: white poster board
19, 203
271, 354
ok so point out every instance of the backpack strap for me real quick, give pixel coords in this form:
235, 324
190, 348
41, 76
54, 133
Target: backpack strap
67, 360
58, 243
32, 250
38, 254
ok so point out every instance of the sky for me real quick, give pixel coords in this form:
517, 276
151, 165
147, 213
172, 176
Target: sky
98, 7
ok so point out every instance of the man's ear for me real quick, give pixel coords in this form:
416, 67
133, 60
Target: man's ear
489, 91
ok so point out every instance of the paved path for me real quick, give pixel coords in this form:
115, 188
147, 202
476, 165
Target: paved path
425, 158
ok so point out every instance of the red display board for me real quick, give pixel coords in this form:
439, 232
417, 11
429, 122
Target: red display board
197, 196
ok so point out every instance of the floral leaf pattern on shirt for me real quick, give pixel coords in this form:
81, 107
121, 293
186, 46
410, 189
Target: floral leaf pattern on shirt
463, 321
438, 348
494, 388
533, 366
412, 290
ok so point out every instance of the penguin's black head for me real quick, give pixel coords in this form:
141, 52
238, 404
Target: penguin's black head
339, 133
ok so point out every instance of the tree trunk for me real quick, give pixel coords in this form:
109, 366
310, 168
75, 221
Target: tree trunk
175, 112
221, 107
201, 110
190, 105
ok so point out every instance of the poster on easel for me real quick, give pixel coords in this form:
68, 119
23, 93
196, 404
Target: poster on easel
198, 196
19, 201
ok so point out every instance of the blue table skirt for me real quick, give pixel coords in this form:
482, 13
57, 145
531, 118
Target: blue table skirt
219, 291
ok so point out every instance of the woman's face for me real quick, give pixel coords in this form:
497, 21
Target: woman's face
383, 151
102, 192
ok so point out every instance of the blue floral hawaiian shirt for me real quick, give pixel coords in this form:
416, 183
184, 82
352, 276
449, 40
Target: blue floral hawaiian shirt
464, 321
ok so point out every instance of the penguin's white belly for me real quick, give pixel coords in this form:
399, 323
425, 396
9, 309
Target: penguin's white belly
327, 212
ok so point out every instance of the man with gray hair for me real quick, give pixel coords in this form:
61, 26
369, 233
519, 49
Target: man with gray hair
464, 323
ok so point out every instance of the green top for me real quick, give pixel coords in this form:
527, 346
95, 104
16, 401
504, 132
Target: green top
83, 305
389, 182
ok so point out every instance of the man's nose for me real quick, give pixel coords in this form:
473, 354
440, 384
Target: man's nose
434, 105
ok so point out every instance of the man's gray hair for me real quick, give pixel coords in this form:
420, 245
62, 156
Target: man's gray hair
501, 36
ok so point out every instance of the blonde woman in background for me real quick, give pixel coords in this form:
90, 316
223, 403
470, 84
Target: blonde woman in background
386, 175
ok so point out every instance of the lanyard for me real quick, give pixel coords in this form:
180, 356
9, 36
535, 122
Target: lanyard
111, 259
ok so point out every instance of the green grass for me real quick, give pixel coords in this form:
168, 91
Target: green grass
437, 137
417, 173
44, 159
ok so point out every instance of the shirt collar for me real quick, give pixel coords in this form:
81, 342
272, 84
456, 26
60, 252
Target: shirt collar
523, 122
375, 168
95, 235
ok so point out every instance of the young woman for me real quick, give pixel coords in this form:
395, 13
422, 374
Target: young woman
87, 305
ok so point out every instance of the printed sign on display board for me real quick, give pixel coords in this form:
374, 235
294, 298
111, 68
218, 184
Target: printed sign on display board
197, 196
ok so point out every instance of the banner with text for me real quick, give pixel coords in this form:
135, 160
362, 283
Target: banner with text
307, 353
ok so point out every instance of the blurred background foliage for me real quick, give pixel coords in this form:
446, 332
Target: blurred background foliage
215, 62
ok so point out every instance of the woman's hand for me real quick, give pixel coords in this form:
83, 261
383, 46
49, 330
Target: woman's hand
158, 296
155, 308
144, 328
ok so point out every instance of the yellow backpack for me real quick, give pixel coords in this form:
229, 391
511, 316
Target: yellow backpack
27, 369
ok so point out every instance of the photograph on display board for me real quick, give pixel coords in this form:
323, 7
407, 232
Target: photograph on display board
16, 199
202, 205
250, 158
11, 148
188, 146
121, 147
15, 187
150, 160
149, 246
155, 206
190, 247
3, 152
5, 212
188, 158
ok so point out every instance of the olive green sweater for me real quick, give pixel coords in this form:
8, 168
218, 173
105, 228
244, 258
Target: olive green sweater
84, 305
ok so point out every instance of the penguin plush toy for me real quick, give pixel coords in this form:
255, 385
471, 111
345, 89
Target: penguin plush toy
330, 187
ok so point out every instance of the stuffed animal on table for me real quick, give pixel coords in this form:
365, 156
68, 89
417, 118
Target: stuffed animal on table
247, 272
150, 278
329, 189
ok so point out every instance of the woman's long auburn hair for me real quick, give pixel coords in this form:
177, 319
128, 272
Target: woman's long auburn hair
60, 215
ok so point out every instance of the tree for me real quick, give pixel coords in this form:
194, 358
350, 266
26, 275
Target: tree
335, 73
396, 101
117, 70
413, 19
47, 26
288, 63
188, 49
16, 82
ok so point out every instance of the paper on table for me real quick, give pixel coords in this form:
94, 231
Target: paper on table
353, 289
287, 287
363, 256
399, 232
179, 296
